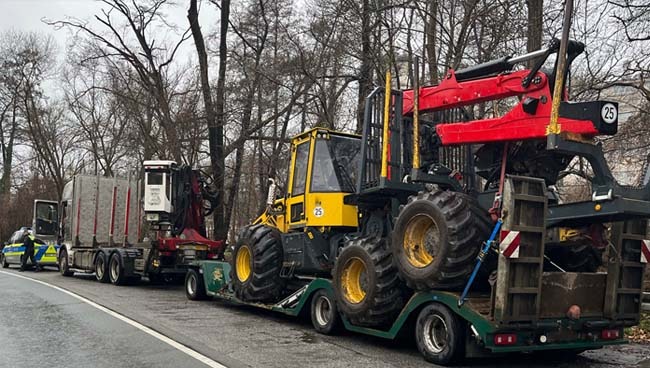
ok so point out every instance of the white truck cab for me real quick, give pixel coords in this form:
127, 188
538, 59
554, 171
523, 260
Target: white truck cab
158, 205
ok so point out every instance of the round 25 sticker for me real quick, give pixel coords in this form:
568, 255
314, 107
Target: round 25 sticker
319, 211
609, 113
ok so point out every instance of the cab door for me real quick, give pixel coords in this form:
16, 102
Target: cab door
46, 219
299, 168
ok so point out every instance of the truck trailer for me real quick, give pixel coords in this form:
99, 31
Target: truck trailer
102, 229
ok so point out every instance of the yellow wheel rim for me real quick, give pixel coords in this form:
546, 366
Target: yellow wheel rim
421, 239
353, 280
243, 262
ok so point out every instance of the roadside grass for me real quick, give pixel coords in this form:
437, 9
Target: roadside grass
640, 333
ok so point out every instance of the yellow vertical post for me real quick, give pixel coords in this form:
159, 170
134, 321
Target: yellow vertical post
384, 146
416, 115
553, 126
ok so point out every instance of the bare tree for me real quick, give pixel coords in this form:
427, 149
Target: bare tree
150, 58
97, 111
24, 60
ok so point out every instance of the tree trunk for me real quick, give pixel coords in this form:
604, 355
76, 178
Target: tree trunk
534, 32
365, 71
8, 152
216, 133
216, 146
430, 46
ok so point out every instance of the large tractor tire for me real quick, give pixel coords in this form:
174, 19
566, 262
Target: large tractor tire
579, 256
256, 263
436, 239
367, 289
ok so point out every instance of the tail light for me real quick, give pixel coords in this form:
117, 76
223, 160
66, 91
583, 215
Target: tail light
505, 339
610, 334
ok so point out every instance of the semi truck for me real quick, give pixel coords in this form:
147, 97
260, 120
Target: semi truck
449, 225
102, 229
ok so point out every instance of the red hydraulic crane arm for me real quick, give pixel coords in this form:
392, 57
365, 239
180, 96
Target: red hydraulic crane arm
527, 120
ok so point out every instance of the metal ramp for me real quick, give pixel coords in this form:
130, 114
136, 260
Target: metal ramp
625, 271
521, 254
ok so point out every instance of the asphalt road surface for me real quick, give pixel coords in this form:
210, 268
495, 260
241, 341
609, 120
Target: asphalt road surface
65, 332
42, 326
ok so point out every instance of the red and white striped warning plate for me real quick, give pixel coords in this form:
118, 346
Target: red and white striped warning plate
645, 251
509, 245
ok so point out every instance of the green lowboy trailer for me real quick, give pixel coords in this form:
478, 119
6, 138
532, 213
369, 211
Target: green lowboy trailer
528, 306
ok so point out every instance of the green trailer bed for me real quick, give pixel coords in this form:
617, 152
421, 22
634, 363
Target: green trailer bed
481, 329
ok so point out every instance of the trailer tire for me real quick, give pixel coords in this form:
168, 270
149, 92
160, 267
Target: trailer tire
101, 268
5, 264
439, 335
116, 270
194, 285
256, 263
64, 267
324, 314
367, 289
437, 237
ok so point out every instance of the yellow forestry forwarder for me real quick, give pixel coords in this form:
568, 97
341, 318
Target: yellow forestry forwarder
434, 221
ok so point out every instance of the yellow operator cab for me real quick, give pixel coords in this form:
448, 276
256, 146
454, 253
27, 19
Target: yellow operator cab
324, 169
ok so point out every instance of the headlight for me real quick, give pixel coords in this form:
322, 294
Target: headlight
153, 217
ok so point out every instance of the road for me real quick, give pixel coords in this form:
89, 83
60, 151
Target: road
233, 336
44, 325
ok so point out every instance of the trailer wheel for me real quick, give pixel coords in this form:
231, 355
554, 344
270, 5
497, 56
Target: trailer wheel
255, 264
116, 270
324, 313
64, 268
439, 335
436, 240
5, 264
101, 268
367, 289
194, 285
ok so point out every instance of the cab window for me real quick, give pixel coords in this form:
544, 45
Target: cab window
336, 163
300, 170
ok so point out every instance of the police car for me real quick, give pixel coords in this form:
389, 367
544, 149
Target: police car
12, 253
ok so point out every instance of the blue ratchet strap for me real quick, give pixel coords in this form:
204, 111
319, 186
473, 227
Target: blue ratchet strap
479, 261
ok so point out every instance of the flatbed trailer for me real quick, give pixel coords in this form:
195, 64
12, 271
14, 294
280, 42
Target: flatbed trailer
482, 335
526, 309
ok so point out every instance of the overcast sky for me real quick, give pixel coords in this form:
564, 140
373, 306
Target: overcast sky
27, 15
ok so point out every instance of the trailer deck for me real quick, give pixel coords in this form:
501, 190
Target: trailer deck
483, 330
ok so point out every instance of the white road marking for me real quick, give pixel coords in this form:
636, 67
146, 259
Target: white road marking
173, 343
